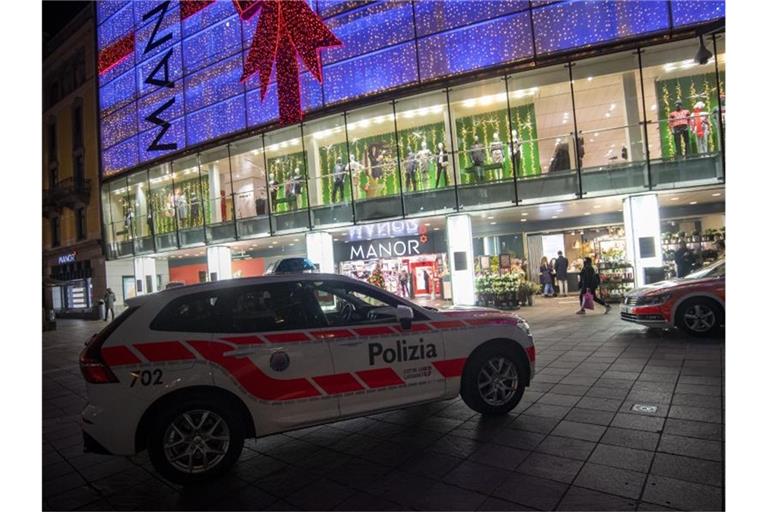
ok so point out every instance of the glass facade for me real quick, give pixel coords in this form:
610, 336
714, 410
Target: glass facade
595, 127
169, 72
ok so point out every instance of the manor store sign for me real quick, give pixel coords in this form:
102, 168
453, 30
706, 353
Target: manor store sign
384, 249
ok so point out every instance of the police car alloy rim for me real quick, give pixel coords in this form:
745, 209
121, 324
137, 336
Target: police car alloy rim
196, 441
699, 318
497, 381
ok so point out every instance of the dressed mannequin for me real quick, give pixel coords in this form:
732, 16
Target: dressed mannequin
580, 148
477, 154
293, 189
375, 159
624, 153
338, 179
410, 171
181, 205
223, 205
720, 111
700, 126
194, 206
424, 157
261, 203
354, 167
442, 164
679, 123
515, 148
561, 159
127, 215
497, 156
273, 186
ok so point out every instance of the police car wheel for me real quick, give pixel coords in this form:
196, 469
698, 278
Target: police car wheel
492, 379
196, 439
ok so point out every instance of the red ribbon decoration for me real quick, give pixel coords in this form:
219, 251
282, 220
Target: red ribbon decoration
286, 28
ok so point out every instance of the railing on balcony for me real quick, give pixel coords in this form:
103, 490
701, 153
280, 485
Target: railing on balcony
71, 192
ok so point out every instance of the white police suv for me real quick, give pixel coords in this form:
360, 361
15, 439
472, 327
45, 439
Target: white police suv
190, 372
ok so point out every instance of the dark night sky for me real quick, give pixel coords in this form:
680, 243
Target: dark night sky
58, 14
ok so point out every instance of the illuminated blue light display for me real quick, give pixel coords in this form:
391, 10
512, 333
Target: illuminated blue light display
181, 86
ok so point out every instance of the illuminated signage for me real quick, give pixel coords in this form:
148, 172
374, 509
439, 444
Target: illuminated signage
383, 230
67, 258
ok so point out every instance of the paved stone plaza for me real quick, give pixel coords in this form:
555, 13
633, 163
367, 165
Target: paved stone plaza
573, 443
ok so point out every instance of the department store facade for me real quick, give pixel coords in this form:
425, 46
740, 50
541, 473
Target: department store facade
511, 147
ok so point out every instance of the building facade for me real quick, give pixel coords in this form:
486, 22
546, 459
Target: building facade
520, 121
73, 261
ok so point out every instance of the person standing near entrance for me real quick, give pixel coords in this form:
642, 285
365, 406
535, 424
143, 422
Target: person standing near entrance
589, 279
684, 260
561, 272
403, 283
109, 304
545, 277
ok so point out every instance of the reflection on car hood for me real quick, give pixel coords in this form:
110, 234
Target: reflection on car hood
479, 314
663, 285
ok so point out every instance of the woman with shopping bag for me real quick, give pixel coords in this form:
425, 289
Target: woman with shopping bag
589, 286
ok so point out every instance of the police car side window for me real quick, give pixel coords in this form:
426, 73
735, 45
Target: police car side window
273, 307
346, 304
198, 312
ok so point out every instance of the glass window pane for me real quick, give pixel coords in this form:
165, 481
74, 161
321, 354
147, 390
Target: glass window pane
719, 110
250, 187
425, 151
680, 98
610, 142
330, 191
188, 189
218, 204
373, 162
121, 215
542, 116
287, 177
161, 201
482, 136
138, 190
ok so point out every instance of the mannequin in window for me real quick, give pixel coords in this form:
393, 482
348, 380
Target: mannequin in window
354, 167
273, 186
375, 157
580, 148
127, 217
561, 158
514, 149
293, 189
223, 205
477, 154
410, 171
338, 179
679, 120
261, 203
181, 206
720, 111
700, 126
424, 157
497, 156
624, 153
442, 164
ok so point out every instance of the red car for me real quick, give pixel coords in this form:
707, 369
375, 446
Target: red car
694, 303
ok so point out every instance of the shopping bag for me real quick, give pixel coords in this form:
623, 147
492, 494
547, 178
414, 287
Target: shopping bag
588, 301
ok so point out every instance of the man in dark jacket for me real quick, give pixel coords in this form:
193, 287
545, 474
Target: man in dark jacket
561, 272
684, 260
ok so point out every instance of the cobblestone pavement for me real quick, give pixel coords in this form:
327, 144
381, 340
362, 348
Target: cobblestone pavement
573, 443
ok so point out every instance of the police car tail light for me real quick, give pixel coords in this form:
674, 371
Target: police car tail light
531, 353
92, 365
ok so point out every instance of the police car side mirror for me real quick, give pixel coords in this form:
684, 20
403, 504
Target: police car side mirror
405, 316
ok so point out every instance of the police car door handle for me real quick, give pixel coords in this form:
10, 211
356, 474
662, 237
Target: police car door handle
241, 352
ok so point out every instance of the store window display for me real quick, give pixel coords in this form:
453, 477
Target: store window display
325, 142
137, 213
681, 96
188, 193
373, 153
249, 181
424, 141
286, 168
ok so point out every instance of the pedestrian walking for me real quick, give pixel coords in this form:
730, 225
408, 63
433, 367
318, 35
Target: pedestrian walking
589, 281
545, 277
109, 304
561, 272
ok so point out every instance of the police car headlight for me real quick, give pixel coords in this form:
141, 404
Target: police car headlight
653, 300
522, 324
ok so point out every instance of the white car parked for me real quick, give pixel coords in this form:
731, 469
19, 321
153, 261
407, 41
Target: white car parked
190, 372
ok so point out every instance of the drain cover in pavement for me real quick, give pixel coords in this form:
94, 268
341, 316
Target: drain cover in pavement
649, 409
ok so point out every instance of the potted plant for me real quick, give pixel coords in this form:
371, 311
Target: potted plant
483, 289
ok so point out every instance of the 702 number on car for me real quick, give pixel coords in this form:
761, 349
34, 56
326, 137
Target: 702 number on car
147, 377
